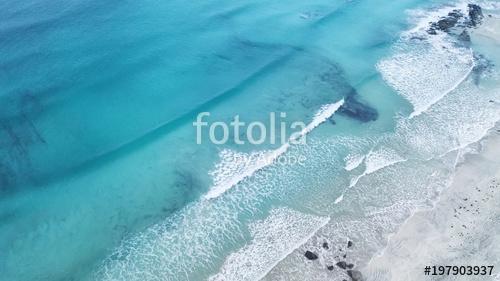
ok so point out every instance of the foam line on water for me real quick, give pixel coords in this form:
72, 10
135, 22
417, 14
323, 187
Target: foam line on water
425, 68
339, 199
353, 161
229, 173
438, 98
414, 75
273, 239
376, 160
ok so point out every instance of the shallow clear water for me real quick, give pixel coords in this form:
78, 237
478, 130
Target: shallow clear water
100, 174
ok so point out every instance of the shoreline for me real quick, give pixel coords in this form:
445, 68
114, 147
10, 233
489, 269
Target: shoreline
463, 218
441, 231
458, 230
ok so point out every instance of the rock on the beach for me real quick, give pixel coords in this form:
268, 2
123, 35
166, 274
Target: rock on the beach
355, 275
310, 255
342, 264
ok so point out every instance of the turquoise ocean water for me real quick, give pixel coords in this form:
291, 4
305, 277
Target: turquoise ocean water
101, 177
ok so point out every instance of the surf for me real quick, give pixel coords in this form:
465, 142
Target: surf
263, 159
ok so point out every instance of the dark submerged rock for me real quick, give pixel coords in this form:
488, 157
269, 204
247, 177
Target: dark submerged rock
350, 266
481, 66
311, 256
357, 110
330, 267
464, 36
342, 264
349, 244
325, 245
355, 275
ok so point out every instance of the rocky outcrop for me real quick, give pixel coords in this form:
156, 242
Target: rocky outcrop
346, 267
447, 23
457, 21
475, 14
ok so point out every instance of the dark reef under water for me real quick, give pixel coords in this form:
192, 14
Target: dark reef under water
358, 110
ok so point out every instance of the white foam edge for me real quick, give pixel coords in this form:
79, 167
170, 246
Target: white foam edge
373, 168
445, 93
307, 224
353, 161
321, 116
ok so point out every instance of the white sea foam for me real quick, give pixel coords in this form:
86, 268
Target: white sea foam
376, 160
231, 171
339, 199
425, 68
234, 166
426, 76
273, 239
353, 161
488, 5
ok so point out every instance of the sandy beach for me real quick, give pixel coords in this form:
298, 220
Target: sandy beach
462, 229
